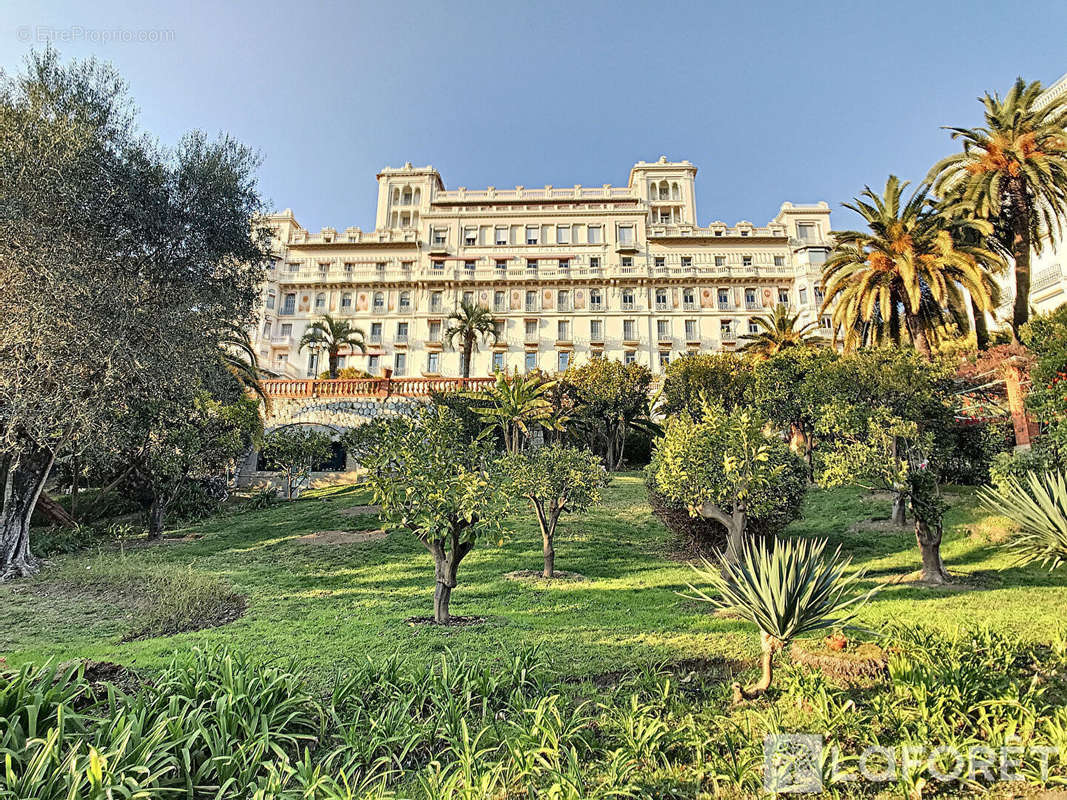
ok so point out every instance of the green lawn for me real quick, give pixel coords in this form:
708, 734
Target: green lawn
329, 605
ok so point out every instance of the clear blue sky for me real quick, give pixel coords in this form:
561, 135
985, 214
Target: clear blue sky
773, 101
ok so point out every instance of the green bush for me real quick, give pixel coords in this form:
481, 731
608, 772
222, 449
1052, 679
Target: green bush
965, 454
58, 540
725, 378
262, 498
1018, 464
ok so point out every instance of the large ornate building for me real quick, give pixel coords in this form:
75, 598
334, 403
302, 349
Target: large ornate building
568, 272
1048, 283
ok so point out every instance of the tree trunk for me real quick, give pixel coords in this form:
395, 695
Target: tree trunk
900, 509
548, 538
73, 488
550, 557
446, 565
468, 353
333, 364
735, 534
929, 539
769, 646
24, 478
54, 511
442, 596
734, 523
918, 335
981, 327
157, 513
1020, 250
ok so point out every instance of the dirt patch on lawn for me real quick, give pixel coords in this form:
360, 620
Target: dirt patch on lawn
534, 577
453, 622
975, 582
879, 526
359, 511
342, 537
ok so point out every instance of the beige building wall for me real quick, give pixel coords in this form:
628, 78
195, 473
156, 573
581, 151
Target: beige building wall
570, 273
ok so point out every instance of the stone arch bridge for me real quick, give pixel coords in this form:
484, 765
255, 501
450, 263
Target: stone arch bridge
337, 406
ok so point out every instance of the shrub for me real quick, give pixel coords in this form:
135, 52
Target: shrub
1020, 463
200, 498
58, 540
965, 454
262, 498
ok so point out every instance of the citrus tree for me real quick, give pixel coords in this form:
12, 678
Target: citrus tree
446, 490
295, 450
879, 450
723, 466
556, 479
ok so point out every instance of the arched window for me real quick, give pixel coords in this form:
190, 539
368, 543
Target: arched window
676, 193
418, 196
320, 301
651, 190
664, 190
346, 301
396, 195
407, 195
405, 301
379, 301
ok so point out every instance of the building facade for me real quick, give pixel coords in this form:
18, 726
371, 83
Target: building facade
570, 273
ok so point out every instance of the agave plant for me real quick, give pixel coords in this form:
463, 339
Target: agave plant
1038, 503
786, 589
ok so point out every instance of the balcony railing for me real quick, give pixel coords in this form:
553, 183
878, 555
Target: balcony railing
372, 387
1046, 278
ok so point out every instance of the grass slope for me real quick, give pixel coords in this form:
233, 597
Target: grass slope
332, 605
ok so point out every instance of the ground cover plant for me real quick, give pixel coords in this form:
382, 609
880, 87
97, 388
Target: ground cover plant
218, 725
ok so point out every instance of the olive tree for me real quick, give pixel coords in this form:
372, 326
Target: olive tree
183, 445
556, 479
445, 489
295, 450
122, 265
724, 466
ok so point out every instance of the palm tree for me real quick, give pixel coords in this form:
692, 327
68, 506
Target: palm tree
778, 332
515, 405
469, 323
787, 589
1013, 170
911, 266
239, 358
333, 336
